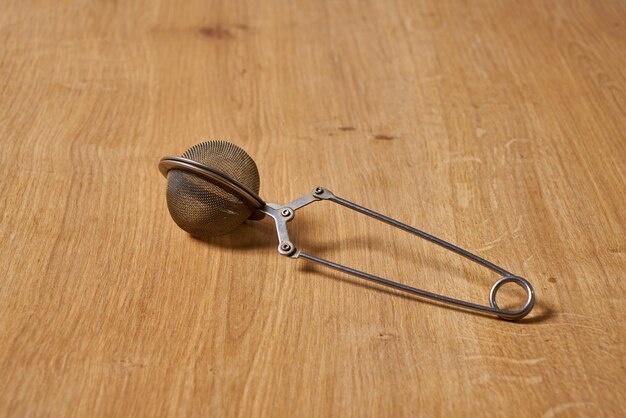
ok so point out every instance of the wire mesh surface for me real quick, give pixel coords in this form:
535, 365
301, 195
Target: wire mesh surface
203, 208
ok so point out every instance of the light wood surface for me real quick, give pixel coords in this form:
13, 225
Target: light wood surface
499, 126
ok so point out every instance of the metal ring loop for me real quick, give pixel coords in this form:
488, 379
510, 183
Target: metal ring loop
216, 176
518, 314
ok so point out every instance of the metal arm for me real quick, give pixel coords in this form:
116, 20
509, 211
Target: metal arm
285, 213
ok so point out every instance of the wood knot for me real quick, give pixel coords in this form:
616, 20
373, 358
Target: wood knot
216, 32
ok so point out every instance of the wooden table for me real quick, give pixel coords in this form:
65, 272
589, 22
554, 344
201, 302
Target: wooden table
499, 126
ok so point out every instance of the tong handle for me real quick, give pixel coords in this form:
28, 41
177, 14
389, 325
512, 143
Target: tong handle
283, 214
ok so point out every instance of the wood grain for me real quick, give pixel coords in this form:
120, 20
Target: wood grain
500, 126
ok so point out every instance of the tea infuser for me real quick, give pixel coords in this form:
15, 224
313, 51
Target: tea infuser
213, 188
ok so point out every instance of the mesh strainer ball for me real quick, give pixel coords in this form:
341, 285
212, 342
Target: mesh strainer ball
204, 207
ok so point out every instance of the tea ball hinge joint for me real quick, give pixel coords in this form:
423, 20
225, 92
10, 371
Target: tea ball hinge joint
282, 214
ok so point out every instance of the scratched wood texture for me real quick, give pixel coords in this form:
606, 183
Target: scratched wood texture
500, 126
